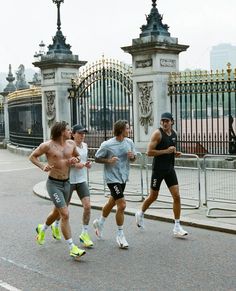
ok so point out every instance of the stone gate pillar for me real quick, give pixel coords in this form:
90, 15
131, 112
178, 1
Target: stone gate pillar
6, 121
57, 71
58, 66
154, 55
8, 89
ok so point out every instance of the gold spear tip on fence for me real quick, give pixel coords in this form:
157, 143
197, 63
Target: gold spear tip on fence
229, 69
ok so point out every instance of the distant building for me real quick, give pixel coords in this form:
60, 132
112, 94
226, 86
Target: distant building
221, 55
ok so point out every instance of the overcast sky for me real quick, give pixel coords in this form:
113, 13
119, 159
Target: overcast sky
96, 27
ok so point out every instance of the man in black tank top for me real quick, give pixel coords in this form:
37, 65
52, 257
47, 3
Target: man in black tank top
162, 147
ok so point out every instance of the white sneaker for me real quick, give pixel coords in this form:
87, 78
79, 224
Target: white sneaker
179, 231
98, 228
139, 219
122, 242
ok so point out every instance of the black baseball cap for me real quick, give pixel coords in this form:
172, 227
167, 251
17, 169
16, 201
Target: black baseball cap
166, 115
79, 128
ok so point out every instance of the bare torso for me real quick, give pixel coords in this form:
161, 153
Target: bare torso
60, 156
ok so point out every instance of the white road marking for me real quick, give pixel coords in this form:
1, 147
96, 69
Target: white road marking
41, 273
8, 287
18, 264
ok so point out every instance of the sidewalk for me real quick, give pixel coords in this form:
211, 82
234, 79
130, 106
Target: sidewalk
194, 217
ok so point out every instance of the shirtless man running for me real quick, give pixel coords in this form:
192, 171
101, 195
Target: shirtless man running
61, 153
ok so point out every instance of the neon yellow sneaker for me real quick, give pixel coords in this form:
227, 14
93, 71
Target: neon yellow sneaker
75, 252
86, 240
56, 232
40, 238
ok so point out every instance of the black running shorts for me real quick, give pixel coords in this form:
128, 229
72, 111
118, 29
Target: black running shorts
169, 176
117, 190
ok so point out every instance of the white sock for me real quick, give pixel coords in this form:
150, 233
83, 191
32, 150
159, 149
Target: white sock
177, 223
102, 220
45, 227
70, 243
120, 230
56, 223
85, 228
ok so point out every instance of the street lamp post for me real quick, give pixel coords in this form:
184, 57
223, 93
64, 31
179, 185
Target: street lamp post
58, 3
104, 99
1, 115
72, 96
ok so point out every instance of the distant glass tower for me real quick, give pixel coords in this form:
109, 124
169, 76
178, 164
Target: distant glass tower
221, 55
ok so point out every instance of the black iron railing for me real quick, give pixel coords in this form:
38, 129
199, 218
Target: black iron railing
204, 106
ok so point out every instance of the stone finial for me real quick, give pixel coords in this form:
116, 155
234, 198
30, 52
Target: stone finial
10, 78
154, 24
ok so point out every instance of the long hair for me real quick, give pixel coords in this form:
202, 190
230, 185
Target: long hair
119, 126
57, 129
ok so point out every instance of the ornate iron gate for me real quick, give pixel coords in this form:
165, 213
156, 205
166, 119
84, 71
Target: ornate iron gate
102, 94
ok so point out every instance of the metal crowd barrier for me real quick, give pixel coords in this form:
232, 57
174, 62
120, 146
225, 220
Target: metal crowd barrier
189, 184
134, 187
95, 179
220, 185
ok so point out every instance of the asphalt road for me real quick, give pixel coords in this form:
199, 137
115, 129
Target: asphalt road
206, 260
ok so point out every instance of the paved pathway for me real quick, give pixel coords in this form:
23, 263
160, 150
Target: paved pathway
161, 210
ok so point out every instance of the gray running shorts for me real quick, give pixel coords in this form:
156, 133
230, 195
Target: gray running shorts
59, 191
81, 189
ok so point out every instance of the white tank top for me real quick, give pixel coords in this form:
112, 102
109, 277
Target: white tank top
80, 175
